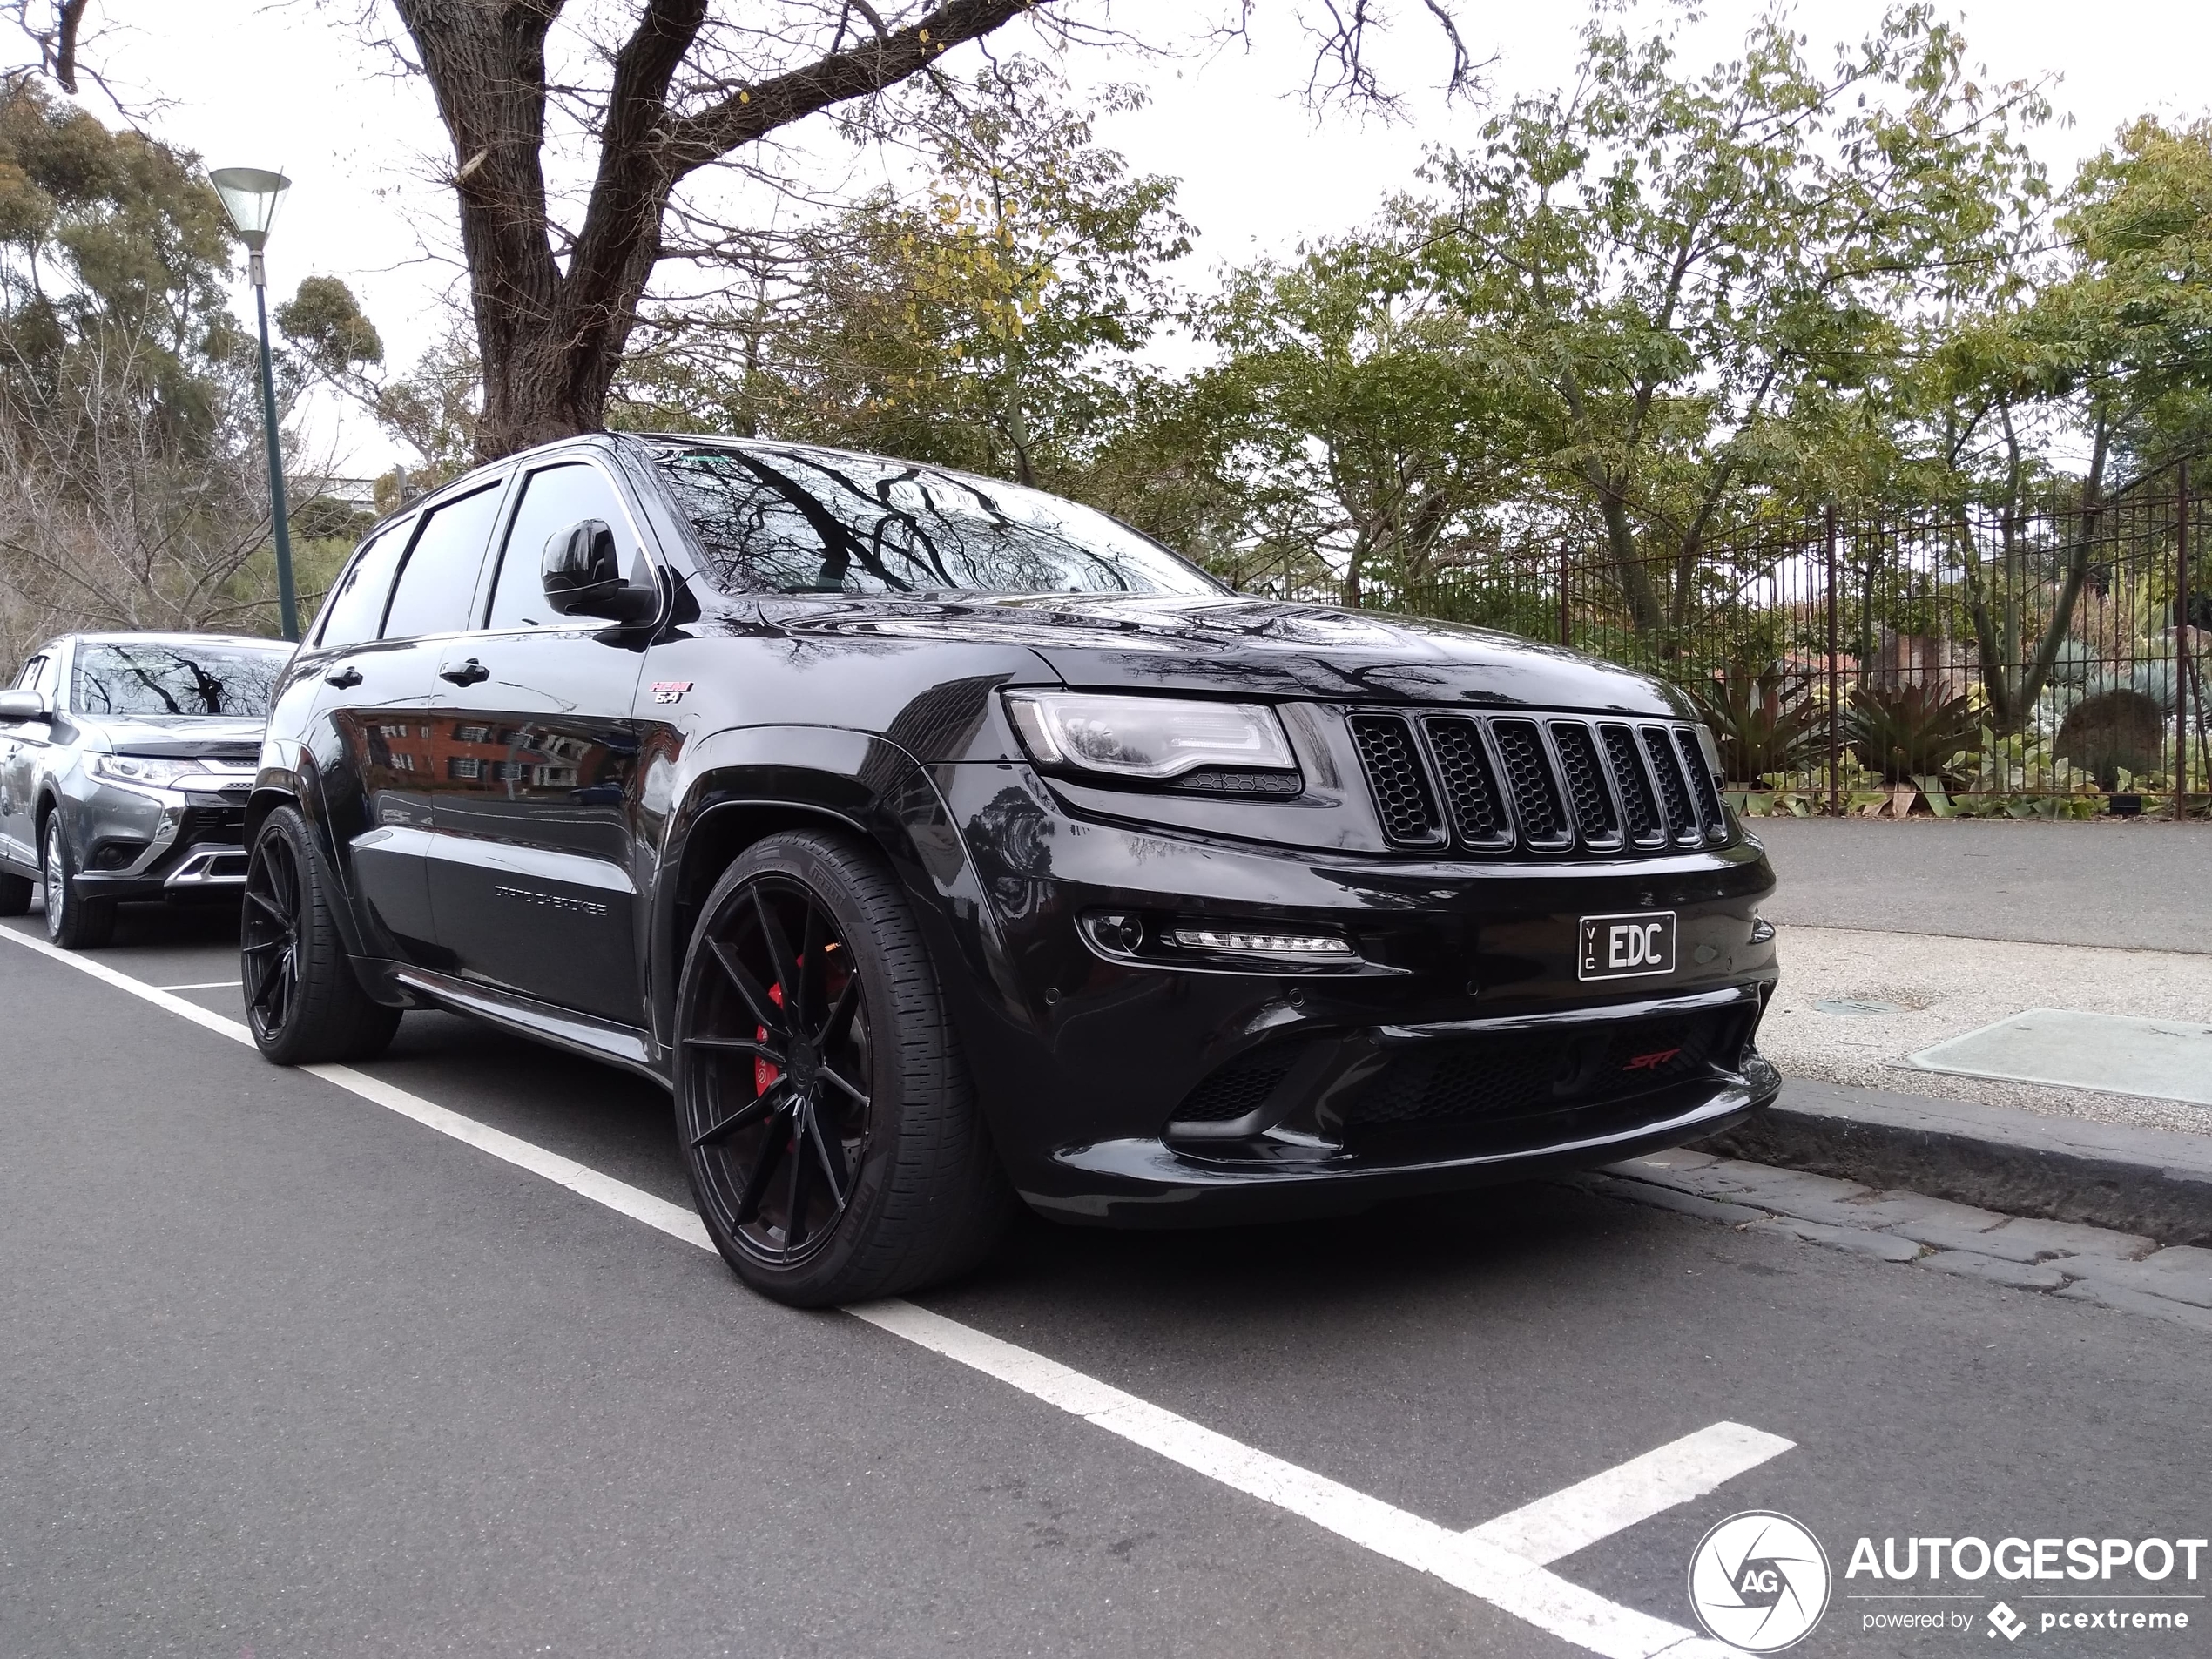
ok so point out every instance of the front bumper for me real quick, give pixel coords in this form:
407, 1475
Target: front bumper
1462, 1049
141, 843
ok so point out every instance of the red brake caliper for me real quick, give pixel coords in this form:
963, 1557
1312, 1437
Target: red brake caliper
764, 1074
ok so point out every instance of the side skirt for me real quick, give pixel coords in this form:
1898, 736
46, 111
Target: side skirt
618, 1045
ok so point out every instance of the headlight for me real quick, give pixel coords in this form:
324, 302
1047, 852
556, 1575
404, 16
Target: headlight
1152, 738
150, 770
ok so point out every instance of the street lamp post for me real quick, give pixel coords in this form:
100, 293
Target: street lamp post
250, 197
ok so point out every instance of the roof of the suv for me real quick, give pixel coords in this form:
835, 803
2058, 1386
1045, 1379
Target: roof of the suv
118, 638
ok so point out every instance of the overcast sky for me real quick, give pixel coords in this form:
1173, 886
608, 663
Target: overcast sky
250, 83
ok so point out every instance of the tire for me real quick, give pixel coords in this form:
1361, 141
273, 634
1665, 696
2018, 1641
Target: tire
16, 893
73, 921
302, 1003
853, 1162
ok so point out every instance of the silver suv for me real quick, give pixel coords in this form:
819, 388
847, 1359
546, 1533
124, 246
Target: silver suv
126, 763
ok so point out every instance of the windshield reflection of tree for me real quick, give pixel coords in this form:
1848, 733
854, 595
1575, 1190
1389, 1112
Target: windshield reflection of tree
214, 684
907, 528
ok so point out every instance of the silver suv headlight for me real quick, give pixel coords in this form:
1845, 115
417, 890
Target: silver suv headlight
154, 771
1154, 740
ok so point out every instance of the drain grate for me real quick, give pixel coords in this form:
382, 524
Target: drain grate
1853, 1007
2112, 1053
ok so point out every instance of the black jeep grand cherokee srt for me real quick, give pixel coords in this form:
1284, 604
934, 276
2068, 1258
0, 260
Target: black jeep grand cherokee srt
938, 842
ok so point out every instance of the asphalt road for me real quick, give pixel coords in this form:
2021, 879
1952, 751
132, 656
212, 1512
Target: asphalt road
282, 1372
2137, 884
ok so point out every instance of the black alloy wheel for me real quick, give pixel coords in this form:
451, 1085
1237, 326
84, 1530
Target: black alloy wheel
831, 1137
781, 1057
302, 1003
73, 921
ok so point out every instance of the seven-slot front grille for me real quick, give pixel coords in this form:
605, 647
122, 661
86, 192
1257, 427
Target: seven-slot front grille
1546, 785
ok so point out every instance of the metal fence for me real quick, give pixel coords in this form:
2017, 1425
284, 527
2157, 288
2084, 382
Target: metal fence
2042, 662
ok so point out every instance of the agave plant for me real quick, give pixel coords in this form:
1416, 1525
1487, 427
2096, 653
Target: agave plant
1761, 717
1905, 731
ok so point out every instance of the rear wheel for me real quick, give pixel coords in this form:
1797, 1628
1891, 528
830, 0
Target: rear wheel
302, 1003
15, 894
73, 921
831, 1134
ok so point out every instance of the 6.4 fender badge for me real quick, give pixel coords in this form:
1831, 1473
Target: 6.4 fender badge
669, 691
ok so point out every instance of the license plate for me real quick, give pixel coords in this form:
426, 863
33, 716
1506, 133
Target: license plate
1629, 946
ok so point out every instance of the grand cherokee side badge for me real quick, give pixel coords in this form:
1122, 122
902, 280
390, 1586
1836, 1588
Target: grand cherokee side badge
669, 691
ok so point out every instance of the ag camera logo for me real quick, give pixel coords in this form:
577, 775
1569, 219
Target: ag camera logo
1759, 1581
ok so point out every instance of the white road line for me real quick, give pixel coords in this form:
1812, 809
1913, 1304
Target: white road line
1511, 1582
206, 985
1551, 1527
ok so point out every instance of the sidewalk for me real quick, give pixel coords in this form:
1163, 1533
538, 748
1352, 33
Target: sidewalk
1956, 924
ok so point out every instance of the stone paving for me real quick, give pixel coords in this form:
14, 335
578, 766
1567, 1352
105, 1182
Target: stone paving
2055, 1258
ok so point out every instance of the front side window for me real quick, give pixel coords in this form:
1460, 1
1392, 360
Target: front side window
28, 680
355, 608
553, 499
140, 677
439, 578
801, 521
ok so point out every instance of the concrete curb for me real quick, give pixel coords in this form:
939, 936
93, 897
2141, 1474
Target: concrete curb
2149, 1181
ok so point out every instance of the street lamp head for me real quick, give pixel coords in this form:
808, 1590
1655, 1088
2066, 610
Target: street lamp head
250, 197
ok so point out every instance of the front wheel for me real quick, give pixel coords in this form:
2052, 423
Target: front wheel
831, 1134
15, 892
73, 921
302, 1003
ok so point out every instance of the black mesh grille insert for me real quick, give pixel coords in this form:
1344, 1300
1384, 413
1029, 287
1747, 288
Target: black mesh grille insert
1394, 772
1701, 781
1635, 790
1241, 1086
1495, 1079
1681, 820
1470, 791
1536, 797
1584, 781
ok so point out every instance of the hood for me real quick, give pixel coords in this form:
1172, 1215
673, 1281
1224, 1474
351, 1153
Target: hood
176, 734
1267, 647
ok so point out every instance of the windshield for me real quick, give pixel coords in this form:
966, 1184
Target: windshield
147, 677
799, 521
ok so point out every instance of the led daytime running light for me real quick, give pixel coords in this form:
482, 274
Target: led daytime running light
1274, 944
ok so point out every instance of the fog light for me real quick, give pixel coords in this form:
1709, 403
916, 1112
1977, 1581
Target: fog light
1115, 933
1761, 930
1272, 944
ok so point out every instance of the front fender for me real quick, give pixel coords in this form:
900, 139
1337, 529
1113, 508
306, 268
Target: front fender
735, 786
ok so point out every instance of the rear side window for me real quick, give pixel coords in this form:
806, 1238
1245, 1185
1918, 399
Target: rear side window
552, 500
355, 607
439, 578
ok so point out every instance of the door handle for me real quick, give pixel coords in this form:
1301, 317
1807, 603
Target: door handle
466, 673
344, 679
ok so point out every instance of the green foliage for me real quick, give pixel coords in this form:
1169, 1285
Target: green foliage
991, 324
129, 416
1763, 716
1903, 732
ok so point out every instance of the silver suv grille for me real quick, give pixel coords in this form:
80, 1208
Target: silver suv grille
1542, 783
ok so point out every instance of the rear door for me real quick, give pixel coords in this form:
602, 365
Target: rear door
383, 639
532, 885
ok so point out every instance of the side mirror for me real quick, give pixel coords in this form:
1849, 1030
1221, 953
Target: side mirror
583, 576
24, 705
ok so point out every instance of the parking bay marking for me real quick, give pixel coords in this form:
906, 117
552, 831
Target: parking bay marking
1486, 1562
206, 985
1675, 1473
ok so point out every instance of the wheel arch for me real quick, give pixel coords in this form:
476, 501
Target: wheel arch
759, 782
